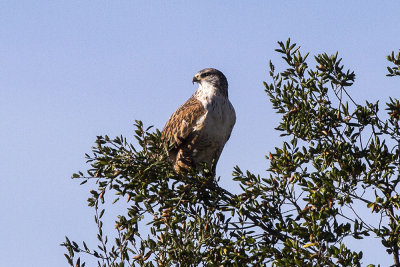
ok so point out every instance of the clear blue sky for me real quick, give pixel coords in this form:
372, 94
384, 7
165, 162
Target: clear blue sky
71, 70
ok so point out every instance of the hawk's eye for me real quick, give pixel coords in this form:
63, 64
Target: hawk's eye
205, 74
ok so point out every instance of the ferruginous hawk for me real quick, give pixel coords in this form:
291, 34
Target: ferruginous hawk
199, 129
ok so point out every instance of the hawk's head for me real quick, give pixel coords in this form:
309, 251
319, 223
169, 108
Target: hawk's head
212, 77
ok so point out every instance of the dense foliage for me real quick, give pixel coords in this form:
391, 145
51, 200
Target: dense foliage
338, 158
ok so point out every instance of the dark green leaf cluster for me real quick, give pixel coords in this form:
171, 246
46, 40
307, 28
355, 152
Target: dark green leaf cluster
395, 59
339, 161
338, 153
171, 219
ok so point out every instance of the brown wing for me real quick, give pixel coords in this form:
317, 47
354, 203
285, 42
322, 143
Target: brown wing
180, 130
182, 122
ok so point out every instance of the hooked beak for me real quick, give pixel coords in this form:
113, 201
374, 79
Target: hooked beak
195, 79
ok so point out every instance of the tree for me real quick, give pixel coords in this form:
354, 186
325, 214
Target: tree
337, 157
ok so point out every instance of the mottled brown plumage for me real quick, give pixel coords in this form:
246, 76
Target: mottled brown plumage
200, 128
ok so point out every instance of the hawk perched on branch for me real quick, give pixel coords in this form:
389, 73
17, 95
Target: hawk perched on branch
200, 127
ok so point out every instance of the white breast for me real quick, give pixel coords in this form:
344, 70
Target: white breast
218, 122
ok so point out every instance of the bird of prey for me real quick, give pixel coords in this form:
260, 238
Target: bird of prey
199, 129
